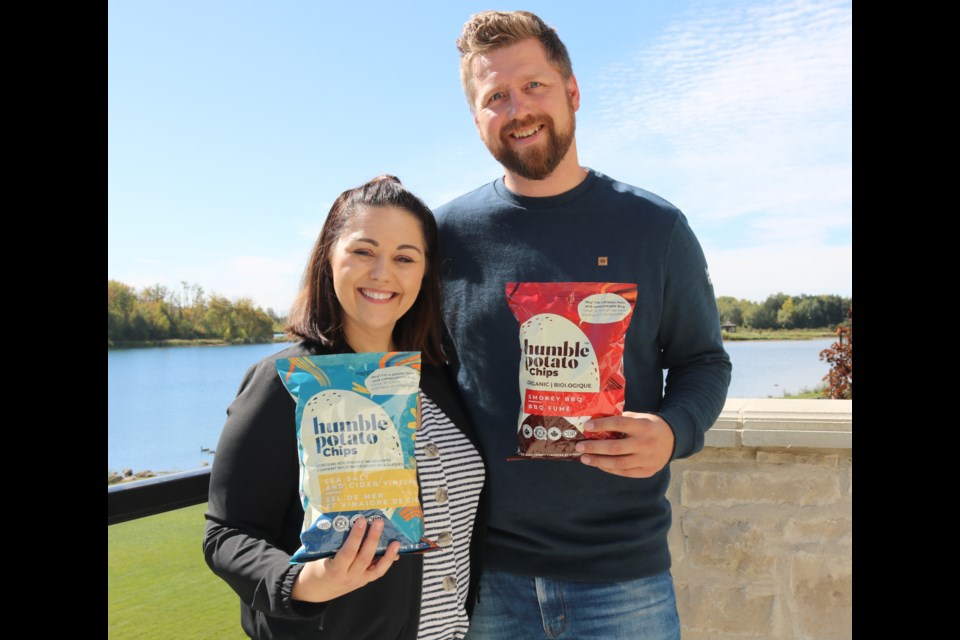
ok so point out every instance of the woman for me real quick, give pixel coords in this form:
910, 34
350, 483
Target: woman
372, 284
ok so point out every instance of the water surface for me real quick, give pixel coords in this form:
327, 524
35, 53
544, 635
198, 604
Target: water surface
166, 405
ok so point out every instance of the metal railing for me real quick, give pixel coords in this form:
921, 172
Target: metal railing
148, 497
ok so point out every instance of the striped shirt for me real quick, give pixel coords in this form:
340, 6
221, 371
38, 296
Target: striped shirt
451, 475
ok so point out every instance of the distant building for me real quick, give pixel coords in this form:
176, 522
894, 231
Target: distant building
729, 327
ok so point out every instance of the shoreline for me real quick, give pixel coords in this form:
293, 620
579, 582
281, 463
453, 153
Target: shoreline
744, 335
759, 335
179, 342
129, 475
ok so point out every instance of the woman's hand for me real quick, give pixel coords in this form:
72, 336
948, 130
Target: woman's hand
353, 566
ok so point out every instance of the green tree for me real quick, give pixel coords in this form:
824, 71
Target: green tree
764, 315
808, 313
121, 305
730, 309
785, 314
834, 309
139, 327
253, 324
195, 303
217, 318
156, 311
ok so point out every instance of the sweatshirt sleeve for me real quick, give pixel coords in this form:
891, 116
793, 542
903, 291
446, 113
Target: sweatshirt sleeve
253, 520
698, 367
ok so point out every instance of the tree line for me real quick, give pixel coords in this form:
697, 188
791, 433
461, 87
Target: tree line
781, 311
161, 313
189, 313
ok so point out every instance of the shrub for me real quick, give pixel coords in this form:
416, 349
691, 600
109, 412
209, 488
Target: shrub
840, 356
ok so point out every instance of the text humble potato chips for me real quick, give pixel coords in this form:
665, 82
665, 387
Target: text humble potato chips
356, 418
571, 361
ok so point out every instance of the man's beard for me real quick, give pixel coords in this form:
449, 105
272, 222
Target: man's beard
535, 163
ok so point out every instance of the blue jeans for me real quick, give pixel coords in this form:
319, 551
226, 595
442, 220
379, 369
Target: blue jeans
513, 607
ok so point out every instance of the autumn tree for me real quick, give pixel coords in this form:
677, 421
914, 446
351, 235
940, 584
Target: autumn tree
840, 356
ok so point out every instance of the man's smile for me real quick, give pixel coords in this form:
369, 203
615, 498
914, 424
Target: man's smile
525, 133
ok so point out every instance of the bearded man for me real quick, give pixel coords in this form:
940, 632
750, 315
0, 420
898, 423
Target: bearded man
574, 549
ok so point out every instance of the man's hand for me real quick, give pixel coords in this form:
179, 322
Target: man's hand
646, 447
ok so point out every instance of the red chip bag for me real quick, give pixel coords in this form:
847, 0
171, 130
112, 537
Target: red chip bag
571, 361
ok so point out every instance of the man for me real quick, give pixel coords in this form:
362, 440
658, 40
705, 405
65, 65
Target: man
575, 549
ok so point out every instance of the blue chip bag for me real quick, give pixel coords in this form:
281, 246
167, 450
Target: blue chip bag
356, 420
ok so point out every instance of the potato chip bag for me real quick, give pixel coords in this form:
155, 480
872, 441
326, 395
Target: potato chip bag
356, 419
572, 337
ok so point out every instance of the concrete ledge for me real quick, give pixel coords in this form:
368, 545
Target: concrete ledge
771, 422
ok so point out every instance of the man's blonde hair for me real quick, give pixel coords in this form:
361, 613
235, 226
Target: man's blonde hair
491, 30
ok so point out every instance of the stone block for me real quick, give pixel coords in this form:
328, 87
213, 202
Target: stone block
687, 634
740, 610
721, 488
797, 415
826, 424
739, 546
827, 531
731, 416
717, 437
778, 437
823, 596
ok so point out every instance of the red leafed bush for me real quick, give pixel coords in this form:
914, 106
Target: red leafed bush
840, 356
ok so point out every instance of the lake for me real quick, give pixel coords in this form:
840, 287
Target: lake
165, 405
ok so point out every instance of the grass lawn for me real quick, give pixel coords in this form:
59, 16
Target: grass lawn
743, 333
158, 585
807, 394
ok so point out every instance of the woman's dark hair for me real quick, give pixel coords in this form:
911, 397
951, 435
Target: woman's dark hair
316, 315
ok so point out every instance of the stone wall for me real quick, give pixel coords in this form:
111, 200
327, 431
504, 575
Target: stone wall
762, 536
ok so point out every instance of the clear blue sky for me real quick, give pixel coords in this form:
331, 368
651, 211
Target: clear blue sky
233, 125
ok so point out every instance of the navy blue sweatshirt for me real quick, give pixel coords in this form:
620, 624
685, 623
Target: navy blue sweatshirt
558, 518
